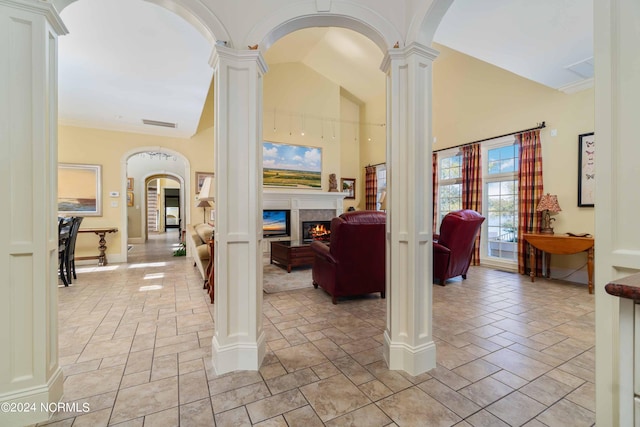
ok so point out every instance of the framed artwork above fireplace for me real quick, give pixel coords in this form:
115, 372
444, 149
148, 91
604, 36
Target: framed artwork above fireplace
291, 166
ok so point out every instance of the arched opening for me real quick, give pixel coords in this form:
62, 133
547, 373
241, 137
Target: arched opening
324, 94
146, 211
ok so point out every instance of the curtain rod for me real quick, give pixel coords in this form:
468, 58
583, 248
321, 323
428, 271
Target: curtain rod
539, 126
377, 164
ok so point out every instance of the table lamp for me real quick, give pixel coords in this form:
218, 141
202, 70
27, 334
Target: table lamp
548, 204
383, 200
204, 205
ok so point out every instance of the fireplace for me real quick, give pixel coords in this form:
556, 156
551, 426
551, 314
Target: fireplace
316, 230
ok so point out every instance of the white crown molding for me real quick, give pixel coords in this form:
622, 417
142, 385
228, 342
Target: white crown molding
45, 9
577, 86
415, 48
238, 55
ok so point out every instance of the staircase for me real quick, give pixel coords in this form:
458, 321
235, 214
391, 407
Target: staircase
152, 209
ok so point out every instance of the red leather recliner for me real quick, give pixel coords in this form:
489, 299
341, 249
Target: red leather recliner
452, 248
354, 263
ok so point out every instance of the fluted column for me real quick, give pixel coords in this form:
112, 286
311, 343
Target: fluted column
29, 369
408, 337
238, 341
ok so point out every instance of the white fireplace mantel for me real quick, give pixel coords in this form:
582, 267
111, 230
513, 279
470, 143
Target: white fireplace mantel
297, 200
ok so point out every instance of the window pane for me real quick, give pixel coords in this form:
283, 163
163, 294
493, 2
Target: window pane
502, 218
502, 159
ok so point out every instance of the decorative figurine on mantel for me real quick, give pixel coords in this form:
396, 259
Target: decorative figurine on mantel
333, 183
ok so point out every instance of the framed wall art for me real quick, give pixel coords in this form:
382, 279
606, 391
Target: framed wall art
586, 169
79, 189
129, 184
293, 166
200, 176
348, 186
129, 198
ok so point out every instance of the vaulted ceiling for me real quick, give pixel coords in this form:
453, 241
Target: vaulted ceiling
154, 66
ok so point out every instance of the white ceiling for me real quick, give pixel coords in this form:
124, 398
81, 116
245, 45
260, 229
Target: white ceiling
117, 69
155, 65
538, 39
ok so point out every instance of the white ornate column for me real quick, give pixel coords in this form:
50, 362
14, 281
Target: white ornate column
409, 342
239, 341
29, 370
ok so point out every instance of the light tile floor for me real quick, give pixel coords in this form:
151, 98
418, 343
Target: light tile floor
135, 344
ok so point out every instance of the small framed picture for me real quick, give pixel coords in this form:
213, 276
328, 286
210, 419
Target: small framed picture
586, 169
200, 176
349, 187
129, 198
129, 184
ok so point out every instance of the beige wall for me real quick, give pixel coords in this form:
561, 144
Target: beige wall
302, 98
350, 147
473, 100
107, 148
373, 144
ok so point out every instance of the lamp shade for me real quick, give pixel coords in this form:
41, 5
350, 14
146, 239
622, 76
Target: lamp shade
383, 200
206, 193
549, 202
204, 204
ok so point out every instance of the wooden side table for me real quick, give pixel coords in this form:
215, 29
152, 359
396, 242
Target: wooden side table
560, 244
102, 243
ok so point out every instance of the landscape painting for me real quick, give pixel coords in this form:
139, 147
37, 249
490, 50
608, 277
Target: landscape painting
79, 190
292, 166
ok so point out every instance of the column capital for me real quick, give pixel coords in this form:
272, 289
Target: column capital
43, 8
412, 49
237, 55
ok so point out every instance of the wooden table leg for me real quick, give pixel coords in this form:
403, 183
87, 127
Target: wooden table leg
102, 247
547, 261
532, 263
590, 257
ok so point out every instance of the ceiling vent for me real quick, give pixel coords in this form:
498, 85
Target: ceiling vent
583, 69
157, 123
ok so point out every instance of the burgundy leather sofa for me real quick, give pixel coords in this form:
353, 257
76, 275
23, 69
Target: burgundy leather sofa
452, 248
354, 263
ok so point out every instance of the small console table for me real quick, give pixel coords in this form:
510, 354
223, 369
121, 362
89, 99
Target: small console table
102, 243
560, 244
291, 254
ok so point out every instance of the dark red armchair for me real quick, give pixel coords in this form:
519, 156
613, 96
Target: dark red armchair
453, 247
354, 263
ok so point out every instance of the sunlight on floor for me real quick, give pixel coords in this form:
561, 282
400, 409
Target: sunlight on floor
153, 276
148, 264
94, 269
150, 288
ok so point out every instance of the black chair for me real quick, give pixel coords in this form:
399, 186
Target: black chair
64, 231
69, 258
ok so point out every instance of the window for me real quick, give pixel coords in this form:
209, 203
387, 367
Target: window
501, 200
500, 159
449, 183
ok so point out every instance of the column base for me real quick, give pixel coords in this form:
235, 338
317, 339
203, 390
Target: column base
237, 357
31, 404
413, 360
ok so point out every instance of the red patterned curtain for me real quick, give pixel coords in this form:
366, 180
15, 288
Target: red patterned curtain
434, 158
472, 188
530, 190
371, 188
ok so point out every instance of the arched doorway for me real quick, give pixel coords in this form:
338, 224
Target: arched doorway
144, 165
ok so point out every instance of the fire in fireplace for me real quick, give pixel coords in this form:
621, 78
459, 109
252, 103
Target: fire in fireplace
316, 230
